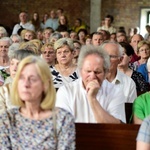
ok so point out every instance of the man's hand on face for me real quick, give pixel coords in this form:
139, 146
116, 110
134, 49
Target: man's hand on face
92, 89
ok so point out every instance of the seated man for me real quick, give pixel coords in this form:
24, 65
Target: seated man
23, 16
92, 99
97, 38
108, 24
124, 82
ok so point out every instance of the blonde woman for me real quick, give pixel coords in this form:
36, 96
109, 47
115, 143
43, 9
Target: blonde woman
35, 124
143, 51
29, 35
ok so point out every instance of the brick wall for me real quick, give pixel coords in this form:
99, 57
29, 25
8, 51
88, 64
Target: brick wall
126, 13
9, 9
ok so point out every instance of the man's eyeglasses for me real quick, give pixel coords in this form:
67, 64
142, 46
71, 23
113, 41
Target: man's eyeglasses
113, 56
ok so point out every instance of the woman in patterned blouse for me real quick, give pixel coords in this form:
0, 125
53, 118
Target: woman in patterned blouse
64, 71
35, 124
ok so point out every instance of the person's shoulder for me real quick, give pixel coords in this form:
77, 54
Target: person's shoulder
144, 97
8, 80
29, 24
55, 19
147, 119
139, 77
112, 27
124, 77
127, 83
142, 66
17, 25
49, 20
8, 114
135, 73
72, 85
5, 88
110, 88
99, 28
63, 113
107, 84
12, 112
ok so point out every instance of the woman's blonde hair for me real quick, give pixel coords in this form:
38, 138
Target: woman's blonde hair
30, 31
49, 93
141, 43
33, 45
49, 45
22, 34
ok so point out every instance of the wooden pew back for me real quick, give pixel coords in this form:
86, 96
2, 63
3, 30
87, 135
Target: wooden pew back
106, 136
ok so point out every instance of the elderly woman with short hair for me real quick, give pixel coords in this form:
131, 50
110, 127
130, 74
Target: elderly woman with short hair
16, 38
54, 37
15, 57
64, 71
3, 32
5, 43
143, 51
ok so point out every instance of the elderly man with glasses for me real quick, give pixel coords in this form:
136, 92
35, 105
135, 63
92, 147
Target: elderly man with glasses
124, 82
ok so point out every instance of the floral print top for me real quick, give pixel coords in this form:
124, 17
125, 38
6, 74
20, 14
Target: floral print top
20, 133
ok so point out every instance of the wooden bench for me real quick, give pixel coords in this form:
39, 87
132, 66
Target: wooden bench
106, 136
128, 112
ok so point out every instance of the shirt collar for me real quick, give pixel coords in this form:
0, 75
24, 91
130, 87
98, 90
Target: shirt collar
118, 78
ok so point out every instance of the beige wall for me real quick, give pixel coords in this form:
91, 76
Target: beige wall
126, 13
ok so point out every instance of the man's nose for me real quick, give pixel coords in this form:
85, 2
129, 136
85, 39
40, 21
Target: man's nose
93, 75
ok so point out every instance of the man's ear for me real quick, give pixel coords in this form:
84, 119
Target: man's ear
121, 58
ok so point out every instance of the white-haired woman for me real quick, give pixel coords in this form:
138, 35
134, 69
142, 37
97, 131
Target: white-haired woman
65, 70
3, 32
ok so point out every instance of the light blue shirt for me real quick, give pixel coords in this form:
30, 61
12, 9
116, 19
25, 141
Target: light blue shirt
53, 23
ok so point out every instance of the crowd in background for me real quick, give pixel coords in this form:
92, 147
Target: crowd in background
60, 45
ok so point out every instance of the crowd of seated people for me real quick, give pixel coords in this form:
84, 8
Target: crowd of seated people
89, 75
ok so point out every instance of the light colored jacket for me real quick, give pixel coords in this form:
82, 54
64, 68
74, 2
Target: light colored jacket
5, 102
